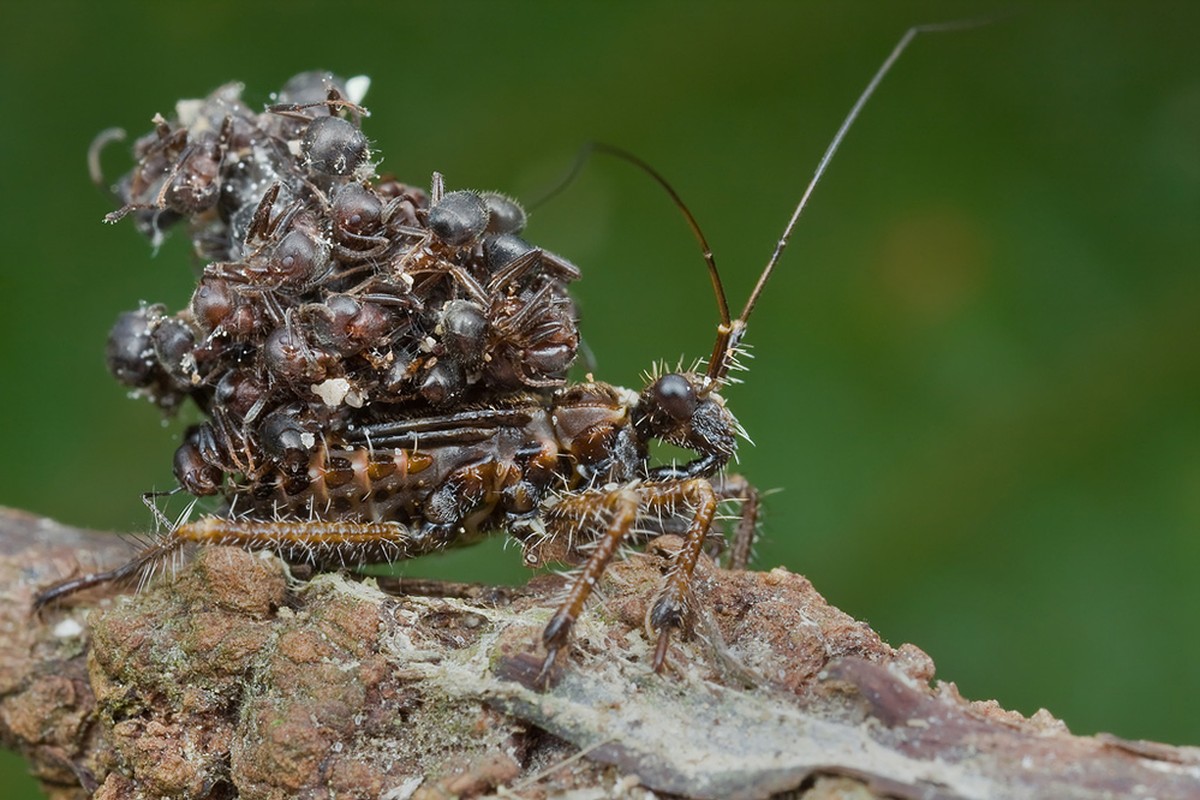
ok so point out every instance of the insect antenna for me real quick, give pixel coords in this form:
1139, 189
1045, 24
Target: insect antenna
95, 170
709, 258
585, 153
729, 334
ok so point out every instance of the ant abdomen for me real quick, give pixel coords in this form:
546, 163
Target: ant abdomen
459, 219
505, 215
129, 353
332, 146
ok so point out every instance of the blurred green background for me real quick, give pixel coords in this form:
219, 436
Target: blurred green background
976, 373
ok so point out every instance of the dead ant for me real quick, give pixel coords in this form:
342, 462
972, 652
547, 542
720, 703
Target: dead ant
572, 464
327, 289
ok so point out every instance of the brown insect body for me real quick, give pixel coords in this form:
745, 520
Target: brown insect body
572, 465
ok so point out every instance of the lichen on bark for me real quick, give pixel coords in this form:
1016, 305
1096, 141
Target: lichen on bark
233, 679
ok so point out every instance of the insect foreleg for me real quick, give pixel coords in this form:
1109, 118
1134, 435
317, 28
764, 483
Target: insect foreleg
621, 506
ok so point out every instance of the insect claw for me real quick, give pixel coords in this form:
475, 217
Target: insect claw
547, 671
660, 649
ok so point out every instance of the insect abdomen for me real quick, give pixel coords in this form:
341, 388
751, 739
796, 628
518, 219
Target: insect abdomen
358, 485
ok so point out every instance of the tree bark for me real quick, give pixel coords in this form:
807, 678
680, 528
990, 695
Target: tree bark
232, 678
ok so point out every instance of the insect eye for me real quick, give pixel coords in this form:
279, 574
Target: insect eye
674, 394
290, 359
356, 209
212, 302
295, 258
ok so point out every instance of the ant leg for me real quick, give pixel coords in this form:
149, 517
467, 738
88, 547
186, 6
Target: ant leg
622, 505
672, 609
736, 487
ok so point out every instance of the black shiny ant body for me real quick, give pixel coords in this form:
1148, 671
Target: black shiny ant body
561, 470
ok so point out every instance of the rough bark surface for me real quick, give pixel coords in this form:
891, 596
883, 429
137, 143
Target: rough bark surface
233, 679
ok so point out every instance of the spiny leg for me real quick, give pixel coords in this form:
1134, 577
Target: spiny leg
672, 608
138, 565
323, 543
622, 507
736, 487
320, 542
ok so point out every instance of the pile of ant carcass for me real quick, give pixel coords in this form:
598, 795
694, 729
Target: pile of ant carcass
382, 370
331, 299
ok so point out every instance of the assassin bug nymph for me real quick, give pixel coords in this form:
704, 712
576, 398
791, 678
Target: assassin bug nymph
569, 464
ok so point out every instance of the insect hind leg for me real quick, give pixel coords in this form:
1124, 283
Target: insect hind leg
323, 543
142, 564
737, 489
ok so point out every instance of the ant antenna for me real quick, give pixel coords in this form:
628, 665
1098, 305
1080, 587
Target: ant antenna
729, 334
95, 170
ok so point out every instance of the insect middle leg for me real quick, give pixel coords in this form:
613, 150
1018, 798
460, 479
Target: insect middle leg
672, 608
621, 508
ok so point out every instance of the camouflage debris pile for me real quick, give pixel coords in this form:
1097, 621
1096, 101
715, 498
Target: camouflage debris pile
332, 298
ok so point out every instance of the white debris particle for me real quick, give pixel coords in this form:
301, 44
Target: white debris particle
405, 790
332, 391
356, 88
188, 111
67, 629
308, 440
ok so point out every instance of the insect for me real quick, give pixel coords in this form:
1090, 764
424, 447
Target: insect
400, 477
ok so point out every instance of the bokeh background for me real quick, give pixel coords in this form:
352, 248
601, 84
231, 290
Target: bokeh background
977, 370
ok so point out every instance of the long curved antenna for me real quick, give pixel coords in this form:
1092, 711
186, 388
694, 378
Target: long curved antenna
709, 259
730, 334
581, 159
